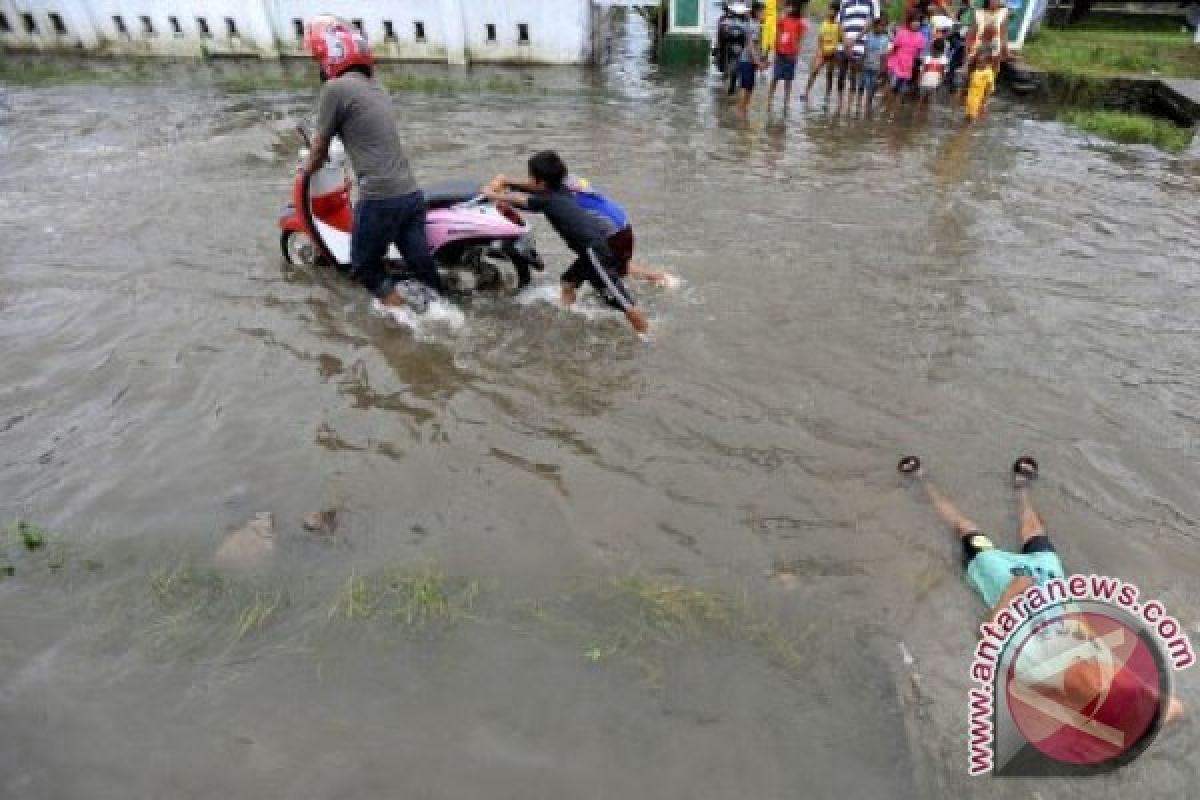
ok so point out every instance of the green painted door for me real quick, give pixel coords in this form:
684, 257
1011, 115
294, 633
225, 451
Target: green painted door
687, 13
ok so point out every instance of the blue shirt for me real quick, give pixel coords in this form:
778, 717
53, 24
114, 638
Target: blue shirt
610, 215
876, 44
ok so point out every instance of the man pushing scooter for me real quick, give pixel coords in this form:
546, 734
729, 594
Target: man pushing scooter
391, 206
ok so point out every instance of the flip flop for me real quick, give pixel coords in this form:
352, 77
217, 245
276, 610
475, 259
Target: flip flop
1025, 469
909, 465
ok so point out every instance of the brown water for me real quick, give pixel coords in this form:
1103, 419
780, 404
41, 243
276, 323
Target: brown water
854, 291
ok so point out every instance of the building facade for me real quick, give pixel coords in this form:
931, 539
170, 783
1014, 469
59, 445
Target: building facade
451, 31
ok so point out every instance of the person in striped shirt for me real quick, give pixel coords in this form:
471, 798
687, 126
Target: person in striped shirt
855, 18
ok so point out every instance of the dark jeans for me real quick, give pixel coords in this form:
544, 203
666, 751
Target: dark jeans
380, 223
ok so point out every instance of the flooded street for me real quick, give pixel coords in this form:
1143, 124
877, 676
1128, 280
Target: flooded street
683, 568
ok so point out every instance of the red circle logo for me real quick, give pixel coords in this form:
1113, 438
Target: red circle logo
1085, 688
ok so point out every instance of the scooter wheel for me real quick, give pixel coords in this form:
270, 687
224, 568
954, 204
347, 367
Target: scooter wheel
298, 249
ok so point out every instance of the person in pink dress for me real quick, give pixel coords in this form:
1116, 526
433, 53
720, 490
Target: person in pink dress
907, 45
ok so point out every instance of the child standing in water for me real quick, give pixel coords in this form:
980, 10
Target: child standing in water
828, 38
907, 45
933, 72
752, 60
875, 49
582, 232
980, 85
792, 29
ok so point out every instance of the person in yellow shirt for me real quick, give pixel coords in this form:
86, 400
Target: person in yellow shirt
980, 86
828, 38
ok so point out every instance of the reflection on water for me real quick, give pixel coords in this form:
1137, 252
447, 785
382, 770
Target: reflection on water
854, 289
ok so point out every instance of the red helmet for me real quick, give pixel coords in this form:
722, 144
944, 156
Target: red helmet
336, 45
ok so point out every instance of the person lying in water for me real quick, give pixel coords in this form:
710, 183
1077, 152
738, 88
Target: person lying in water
999, 577
596, 262
612, 217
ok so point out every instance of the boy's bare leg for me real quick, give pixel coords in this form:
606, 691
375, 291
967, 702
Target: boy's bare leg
771, 94
568, 294
814, 72
637, 318
962, 525
743, 103
787, 96
1025, 471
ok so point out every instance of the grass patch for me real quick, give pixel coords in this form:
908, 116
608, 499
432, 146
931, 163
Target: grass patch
42, 73
640, 620
417, 598
1104, 51
23, 540
394, 81
1127, 128
193, 607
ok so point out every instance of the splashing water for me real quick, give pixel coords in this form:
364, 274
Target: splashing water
440, 314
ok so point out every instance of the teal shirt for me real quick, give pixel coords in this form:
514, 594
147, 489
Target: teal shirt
990, 572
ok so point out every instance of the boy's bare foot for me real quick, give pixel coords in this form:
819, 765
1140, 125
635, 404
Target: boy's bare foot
638, 320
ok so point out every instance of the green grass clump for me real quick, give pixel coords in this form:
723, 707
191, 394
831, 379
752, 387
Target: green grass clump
413, 598
20, 539
394, 81
1127, 128
192, 607
1112, 53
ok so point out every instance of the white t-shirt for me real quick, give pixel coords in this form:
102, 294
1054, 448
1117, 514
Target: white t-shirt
933, 71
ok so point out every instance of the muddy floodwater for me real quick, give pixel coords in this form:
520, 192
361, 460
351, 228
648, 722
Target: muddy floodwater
569, 563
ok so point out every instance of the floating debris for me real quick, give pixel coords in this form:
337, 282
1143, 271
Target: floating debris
249, 546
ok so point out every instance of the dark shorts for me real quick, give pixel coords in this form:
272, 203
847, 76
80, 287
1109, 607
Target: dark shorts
976, 543
604, 272
785, 68
900, 85
621, 245
747, 72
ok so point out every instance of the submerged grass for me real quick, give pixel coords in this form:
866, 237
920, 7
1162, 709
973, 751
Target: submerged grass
41, 73
639, 620
193, 606
415, 598
1106, 52
395, 81
23, 541
1129, 128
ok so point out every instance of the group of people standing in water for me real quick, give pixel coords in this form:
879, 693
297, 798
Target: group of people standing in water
933, 51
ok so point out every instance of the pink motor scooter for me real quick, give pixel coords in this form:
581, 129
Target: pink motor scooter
477, 245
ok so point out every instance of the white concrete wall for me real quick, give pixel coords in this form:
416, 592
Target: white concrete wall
72, 13
455, 30
559, 31
253, 31
402, 14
